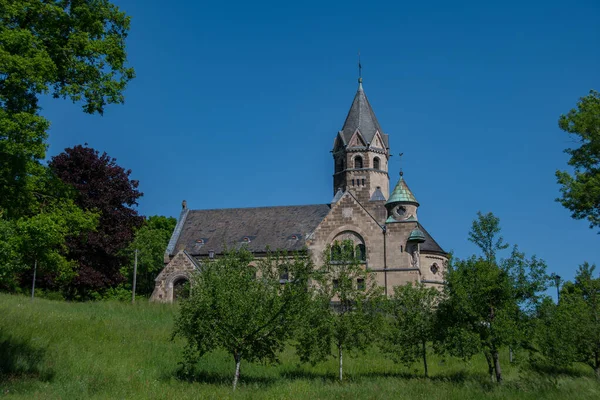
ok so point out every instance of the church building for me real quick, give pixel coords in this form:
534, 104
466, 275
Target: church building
384, 226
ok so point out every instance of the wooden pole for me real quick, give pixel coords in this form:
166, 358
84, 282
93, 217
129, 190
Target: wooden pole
134, 277
33, 281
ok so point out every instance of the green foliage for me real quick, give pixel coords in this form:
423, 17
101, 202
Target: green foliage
488, 305
581, 190
411, 323
112, 350
42, 239
69, 49
243, 309
570, 331
352, 322
485, 233
151, 241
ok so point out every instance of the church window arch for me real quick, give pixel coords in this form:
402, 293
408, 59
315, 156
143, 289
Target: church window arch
361, 252
348, 245
376, 163
358, 162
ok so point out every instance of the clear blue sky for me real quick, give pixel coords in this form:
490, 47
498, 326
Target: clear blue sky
237, 104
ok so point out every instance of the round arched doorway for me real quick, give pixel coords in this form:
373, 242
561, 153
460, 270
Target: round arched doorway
181, 288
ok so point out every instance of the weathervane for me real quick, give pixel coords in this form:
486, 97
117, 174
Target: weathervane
359, 69
401, 173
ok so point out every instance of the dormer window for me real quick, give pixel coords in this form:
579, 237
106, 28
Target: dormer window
358, 162
200, 241
246, 239
211, 254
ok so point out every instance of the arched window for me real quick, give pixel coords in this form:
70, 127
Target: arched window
376, 163
336, 252
358, 162
361, 252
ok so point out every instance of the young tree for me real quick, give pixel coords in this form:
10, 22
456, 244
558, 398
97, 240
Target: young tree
248, 311
343, 310
103, 186
581, 190
150, 240
69, 49
411, 323
487, 304
570, 331
477, 314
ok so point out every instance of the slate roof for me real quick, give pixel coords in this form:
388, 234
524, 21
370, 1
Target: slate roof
362, 117
273, 227
377, 195
430, 245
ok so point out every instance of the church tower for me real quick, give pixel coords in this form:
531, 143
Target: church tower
361, 153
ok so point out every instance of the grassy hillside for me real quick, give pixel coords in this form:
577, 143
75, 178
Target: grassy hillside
57, 350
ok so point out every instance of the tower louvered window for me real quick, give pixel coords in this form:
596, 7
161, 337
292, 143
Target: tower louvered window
358, 162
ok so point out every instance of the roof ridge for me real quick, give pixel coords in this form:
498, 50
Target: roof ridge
261, 207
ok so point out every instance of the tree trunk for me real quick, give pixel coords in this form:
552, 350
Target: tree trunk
488, 358
425, 358
341, 370
497, 366
236, 377
510, 355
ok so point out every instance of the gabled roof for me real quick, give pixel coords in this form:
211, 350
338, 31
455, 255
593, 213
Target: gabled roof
362, 118
402, 194
276, 228
377, 195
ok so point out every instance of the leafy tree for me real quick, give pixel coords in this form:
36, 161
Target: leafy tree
488, 304
556, 332
412, 322
485, 233
581, 190
477, 314
151, 241
570, 331
69, 48
40, 238
343, 309
248, 311
103, 186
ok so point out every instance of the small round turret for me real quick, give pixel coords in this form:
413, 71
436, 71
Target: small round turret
416, 236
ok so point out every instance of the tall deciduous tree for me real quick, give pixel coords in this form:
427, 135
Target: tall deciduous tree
343, 313
411, 323
248, 311
580, 190
151, 241
67, 48
103, 186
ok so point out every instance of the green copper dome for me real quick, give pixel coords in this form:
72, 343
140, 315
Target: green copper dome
402, 194
416, 236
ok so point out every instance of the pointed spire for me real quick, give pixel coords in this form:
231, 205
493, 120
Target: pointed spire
362, 118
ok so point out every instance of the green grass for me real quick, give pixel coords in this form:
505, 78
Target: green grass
110, 350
